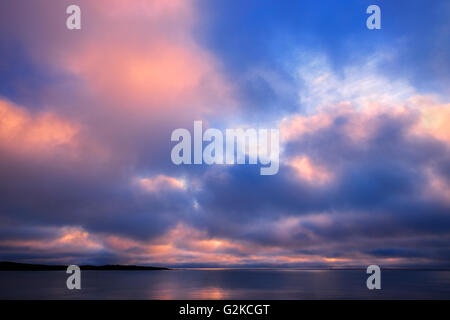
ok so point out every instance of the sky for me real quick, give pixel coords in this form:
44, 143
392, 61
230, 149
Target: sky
86, 118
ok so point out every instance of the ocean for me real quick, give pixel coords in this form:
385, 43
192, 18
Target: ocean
226, 284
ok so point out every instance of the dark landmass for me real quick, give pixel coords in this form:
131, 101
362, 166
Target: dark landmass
13, 266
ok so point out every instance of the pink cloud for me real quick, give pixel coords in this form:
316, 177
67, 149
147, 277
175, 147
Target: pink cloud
309, 171
161, 183
22, 131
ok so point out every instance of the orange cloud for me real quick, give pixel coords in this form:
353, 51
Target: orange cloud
145, 57
434, 118
161, 182
360, 123
22, 131
154, 74
309, 171
175, 245
298, 125
44, 134
70, 239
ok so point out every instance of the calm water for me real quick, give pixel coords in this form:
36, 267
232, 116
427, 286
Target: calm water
225, 284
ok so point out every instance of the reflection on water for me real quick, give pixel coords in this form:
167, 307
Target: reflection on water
226, 284
210, 293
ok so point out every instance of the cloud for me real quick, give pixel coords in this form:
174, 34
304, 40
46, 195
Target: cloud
309, 172
161, 182
359, 83
20, 131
